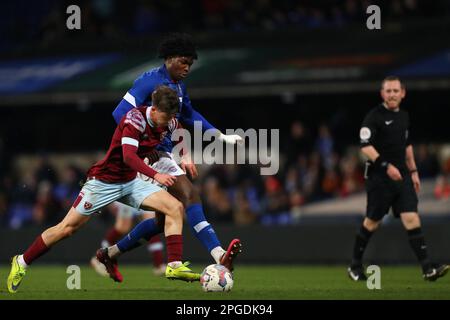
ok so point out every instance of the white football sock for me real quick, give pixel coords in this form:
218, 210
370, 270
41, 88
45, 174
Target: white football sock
217, 253
21, 261
113, 251
175, 264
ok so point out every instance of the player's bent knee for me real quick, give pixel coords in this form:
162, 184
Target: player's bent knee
411, 220
176, 209
371, 225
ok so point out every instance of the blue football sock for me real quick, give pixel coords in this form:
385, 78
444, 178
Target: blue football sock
139, 235
201, 228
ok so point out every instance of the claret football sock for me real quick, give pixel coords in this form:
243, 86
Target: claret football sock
174, 245
155, 247
37, 249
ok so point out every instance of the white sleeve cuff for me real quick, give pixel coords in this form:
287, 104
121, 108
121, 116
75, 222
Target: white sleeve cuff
130, 141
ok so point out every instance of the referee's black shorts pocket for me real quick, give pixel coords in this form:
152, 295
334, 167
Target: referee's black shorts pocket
407, 201
380, 198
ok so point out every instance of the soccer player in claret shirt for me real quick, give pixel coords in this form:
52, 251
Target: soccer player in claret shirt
179, 53
114, 179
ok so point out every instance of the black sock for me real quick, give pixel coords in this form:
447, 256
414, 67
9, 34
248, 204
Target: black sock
362, 238
417, 242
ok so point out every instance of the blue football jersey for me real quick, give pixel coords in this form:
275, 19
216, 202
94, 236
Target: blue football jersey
141, 92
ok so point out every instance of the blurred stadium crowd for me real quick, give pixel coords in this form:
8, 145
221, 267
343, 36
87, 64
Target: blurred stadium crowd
311, 170
313, 167
45, 19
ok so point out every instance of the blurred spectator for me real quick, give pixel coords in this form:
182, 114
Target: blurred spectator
216, 202
243, 213
427, 162
296, 201
68, 187
45, 171
324, 144
3, 159
299, 142
351, 10
291, 180
330, 183
337, 17
276, 204
442, 187
311, 180
352, 176
47, 210
22, 198
148, 19
214, 13
3, 201
316, 19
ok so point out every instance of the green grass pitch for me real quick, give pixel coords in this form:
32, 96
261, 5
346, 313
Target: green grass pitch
251, 282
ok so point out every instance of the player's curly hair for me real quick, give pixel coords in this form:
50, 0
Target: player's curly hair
177, 45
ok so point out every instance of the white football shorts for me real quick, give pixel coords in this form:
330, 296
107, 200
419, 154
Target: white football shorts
97, 194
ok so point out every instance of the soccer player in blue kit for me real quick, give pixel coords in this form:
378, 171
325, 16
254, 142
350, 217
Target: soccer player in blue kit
179, 53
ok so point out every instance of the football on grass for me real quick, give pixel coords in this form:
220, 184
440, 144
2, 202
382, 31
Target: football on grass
216, 278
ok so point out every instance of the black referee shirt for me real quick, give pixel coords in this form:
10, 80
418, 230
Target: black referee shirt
388, 132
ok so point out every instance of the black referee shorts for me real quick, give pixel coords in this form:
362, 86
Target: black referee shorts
384, 193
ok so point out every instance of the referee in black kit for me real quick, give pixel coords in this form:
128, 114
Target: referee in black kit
392, 179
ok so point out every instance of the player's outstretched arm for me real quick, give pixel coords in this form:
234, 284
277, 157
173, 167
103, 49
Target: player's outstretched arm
189, 115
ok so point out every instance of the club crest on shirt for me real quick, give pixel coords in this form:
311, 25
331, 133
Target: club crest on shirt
365, 134
87, 205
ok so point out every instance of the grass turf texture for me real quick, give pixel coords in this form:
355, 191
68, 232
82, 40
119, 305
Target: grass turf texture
251, 282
